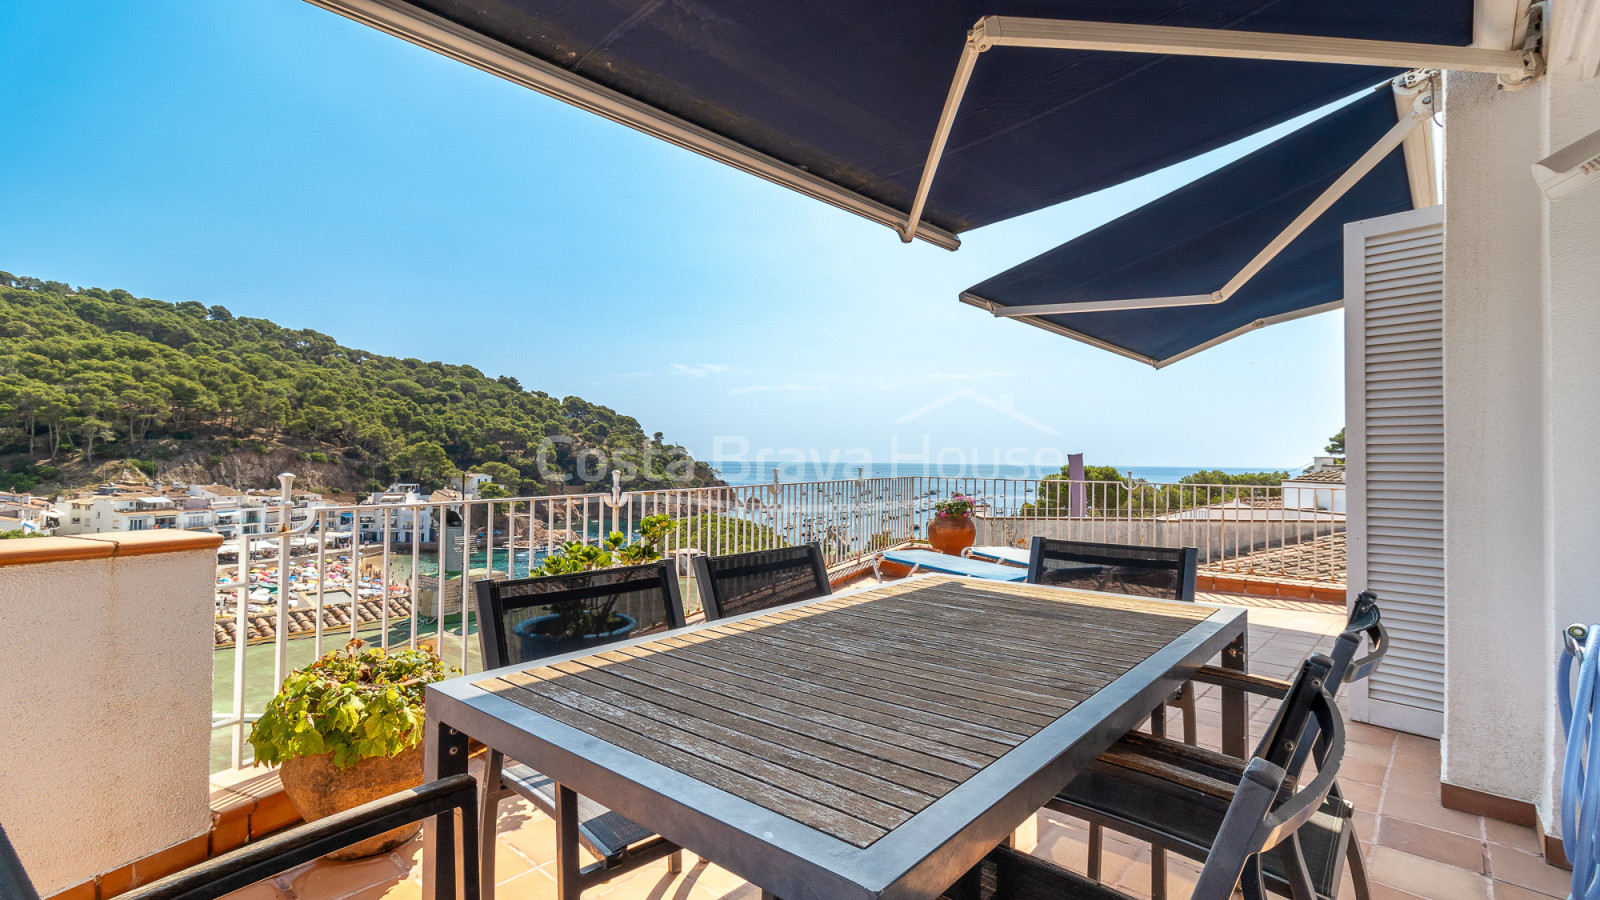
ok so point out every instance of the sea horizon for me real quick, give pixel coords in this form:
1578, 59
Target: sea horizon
742, 472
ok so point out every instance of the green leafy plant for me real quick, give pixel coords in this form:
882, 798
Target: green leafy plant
954, 508
576, 618
614, 550
354, 703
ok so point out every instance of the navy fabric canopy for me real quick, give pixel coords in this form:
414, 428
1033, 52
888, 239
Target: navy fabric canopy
1195, 239
851, 92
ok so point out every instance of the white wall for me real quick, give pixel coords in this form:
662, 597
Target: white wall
1522, 419
106, 709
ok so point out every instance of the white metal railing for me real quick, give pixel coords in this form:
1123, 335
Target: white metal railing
399, 574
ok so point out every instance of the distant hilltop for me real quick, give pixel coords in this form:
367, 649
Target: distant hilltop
99, 384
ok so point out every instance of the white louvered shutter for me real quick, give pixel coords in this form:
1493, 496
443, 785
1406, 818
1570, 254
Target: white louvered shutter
1394, 442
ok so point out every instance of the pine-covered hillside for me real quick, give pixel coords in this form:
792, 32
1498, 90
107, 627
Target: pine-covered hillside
97, 381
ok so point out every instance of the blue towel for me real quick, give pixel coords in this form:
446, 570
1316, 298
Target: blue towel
931, 561
1015, 556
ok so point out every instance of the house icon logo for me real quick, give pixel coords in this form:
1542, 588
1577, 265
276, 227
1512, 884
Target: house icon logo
1005, 405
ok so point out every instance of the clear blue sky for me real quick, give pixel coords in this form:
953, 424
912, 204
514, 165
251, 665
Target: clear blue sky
277, 159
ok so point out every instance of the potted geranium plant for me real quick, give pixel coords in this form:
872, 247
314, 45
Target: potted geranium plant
952, 529
347, 730
575, 625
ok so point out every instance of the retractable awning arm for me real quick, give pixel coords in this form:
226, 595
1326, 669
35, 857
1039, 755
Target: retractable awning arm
1418, 96
1516, 68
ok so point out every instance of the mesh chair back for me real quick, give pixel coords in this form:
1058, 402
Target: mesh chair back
537, 618
750, 582
1165, 572
1267, 808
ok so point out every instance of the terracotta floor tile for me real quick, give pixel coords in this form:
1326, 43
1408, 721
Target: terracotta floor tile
1424, 877
1365, 772
537, 841
1366, 825
1428, 811
1367, 752
1519, 836
404, 889
508, 863
1408, 756
1528, 871
1384, 892
327, 880
1411, 781
1364, 796
1506, 891
714, 879
1443, 846
1362, 733
534, 885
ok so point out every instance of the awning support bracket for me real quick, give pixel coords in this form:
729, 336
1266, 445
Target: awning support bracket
1422, 109
1516, 68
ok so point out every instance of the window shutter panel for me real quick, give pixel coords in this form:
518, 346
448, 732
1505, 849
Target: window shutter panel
1394, 401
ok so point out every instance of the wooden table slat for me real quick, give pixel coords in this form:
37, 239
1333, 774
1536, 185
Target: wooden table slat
928, 755
887, 676
893, 659
877, 763
775, 748
931, 724
843, 825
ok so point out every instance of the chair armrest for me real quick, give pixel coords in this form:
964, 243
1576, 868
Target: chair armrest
1254, 684
302, 844
1186, 754
1168, 771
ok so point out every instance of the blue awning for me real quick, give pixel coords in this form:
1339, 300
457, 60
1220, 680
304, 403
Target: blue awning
841, 99
1194, 239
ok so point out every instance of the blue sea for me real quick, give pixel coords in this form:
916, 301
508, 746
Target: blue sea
747, 472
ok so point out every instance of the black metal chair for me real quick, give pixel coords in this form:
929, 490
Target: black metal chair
520, 622
742, 583
1122, 794
281, 852
1251, 818
1164, 572
1167, 573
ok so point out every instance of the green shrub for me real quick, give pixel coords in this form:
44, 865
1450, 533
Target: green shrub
354, 703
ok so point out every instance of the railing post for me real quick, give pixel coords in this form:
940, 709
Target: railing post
280, 640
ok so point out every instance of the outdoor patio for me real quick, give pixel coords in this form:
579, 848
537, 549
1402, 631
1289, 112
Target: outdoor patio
1415, 847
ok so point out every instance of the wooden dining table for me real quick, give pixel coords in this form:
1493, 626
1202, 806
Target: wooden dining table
855, 747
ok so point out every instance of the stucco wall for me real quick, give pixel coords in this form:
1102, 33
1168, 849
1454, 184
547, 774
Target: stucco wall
1494, 349
1522, 419
106, 705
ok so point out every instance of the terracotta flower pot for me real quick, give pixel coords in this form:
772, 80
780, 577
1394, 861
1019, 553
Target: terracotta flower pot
952, 534
318, 788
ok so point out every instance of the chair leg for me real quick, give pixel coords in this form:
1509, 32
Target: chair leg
1158, 872
1158, 722
1186, 705
569, 881
471, 838
1096, 835
1358, 868
1250, 882
675, 862
488, 815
